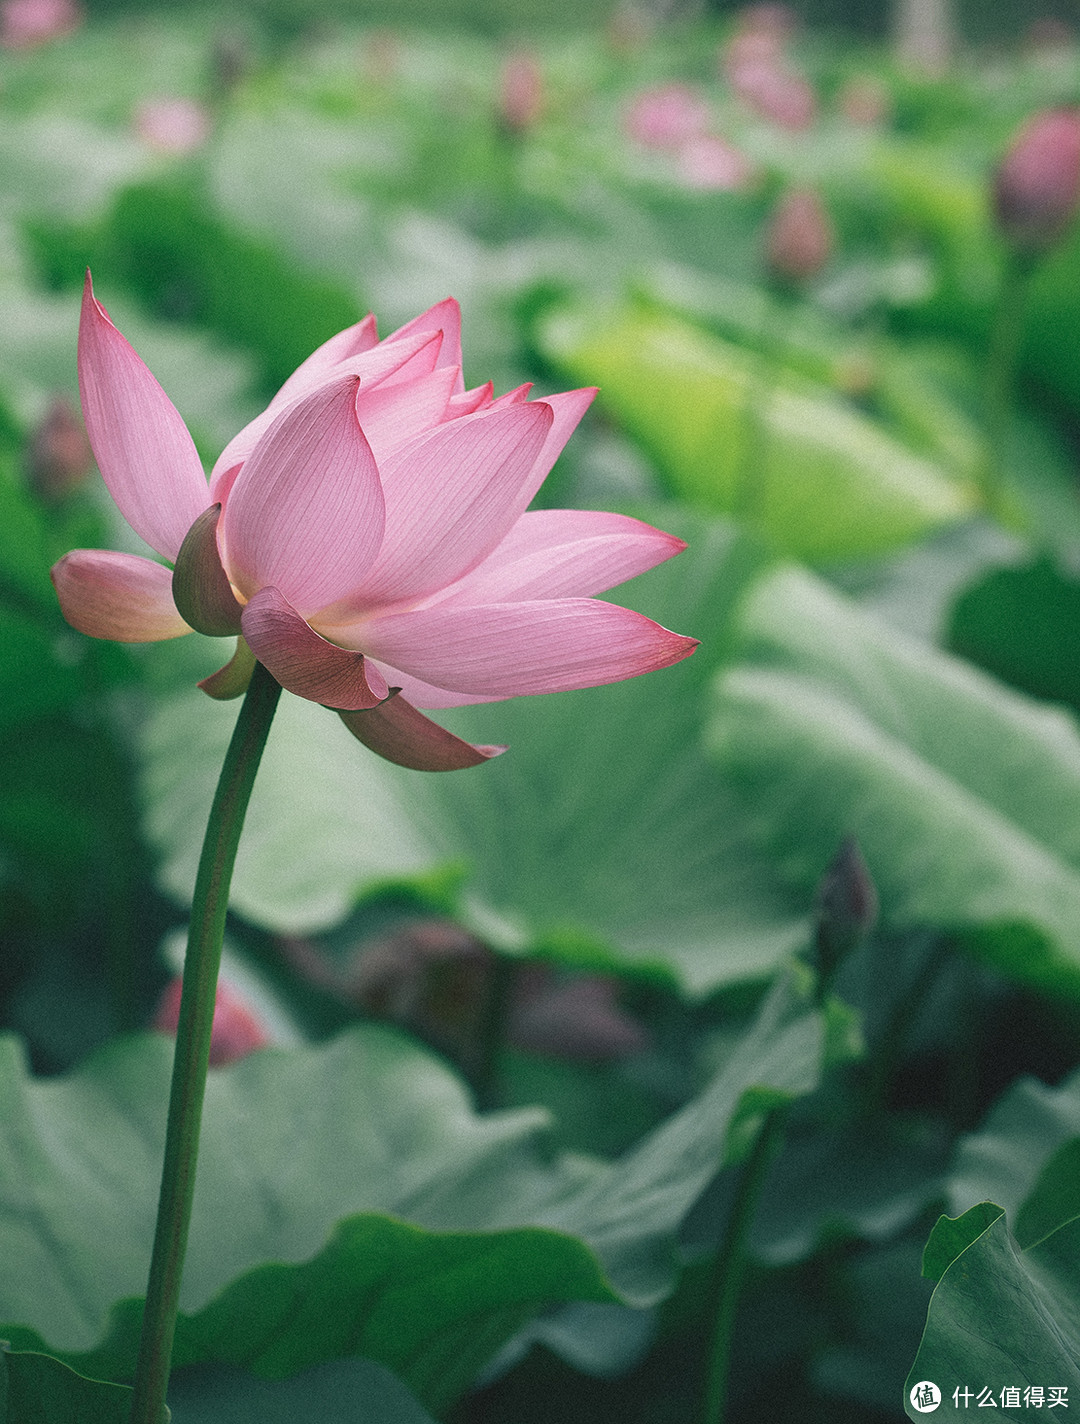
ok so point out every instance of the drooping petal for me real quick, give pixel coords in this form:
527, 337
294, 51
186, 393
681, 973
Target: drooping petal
391, 414
416, 355
306, 512
141, 444
444, 316
119, 596
451, 496
200, 586
562, 553
517, 649
399, 733
305, 663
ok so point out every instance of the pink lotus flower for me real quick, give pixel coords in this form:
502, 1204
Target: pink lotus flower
237, 1030
369, 531
1037, 183
25, 24
666, 116
172, 125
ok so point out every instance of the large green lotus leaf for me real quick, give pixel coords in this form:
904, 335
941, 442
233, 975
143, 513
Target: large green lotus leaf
1001, 1161
36, 1389
349, 1201
603, 825
827, 482
961, 793
1002, 1319
339, 1392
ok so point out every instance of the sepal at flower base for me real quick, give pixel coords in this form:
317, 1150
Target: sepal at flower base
231, 680
201, 589
397, 732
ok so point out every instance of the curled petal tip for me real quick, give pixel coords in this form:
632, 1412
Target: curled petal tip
305, 662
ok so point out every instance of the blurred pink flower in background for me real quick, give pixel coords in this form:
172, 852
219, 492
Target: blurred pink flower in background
172, 125
59, 457
521, 91
713, 165
1037, 183
798, 237
666, 116
368, 531
756, 65
237, 1030
27, 23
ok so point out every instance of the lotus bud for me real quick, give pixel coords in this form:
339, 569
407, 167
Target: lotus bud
521, 93
1037, 183
59, 458
578, 1019
847, 908
236, 1032
798, 238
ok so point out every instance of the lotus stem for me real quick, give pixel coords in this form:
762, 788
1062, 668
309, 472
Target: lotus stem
192, 1055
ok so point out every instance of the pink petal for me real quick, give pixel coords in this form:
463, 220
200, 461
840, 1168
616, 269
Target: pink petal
117, 596
479, 398
417, 355
306, 511
451, 496
514, 397
305, 663
567, 409
423, 694
397, 731
353, 341
559, 553
516, 649
142, 446
391, 414
444, 316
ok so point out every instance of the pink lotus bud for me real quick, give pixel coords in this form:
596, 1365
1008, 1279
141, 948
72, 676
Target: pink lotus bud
1050, 36
25, 24
236, 1032
779, 21
711, 165
172, 125
666, 116
59, 458
798, 238
1037, 183
521, 92
847, 908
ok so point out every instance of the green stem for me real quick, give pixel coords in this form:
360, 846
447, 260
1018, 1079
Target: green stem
192, 1055
731, 1264
748, 503
1000, 379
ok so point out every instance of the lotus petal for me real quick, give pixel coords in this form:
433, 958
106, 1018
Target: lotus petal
119, 596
